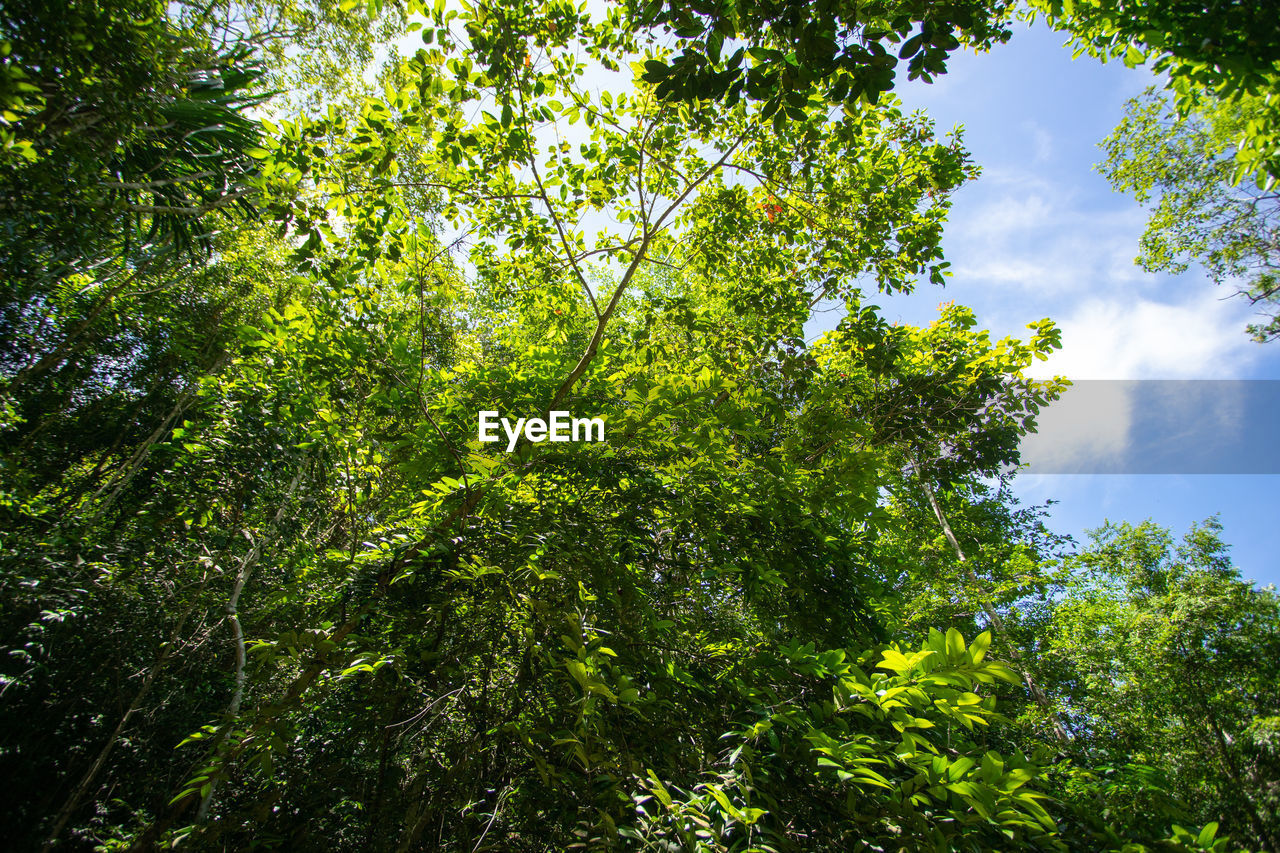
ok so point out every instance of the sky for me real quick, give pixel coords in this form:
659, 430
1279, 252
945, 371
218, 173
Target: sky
1042, 234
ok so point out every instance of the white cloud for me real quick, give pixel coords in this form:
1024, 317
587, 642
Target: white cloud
1123, 336
1027, 233
1025, 245
996, 221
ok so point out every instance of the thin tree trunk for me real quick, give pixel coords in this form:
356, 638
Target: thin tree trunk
122, 477
992, 615
249, 563
86, 781
384, 759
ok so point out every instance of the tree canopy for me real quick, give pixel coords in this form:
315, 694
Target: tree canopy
265, 587
1184, 168
1226, 51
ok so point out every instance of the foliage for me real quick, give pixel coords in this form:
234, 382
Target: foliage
1162, 657
122, 120
266, 589
1225, 53
1184, 168
787, 50
311, 51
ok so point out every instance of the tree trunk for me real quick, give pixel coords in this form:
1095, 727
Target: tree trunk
1060, 733
249, 563
86, 781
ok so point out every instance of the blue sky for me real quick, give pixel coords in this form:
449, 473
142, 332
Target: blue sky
1041, 234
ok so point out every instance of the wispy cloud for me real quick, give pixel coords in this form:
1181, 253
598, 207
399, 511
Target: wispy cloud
1122, 336
1023, 231
1041, 140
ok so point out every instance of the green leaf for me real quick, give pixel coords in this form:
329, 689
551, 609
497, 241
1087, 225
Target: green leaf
725, 804
955, 644
978, 648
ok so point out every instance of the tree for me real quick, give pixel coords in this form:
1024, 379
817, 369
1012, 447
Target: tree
585, 627
265, 586
130, 132
1164, 661
787, 51
1227, 52
1185, 169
